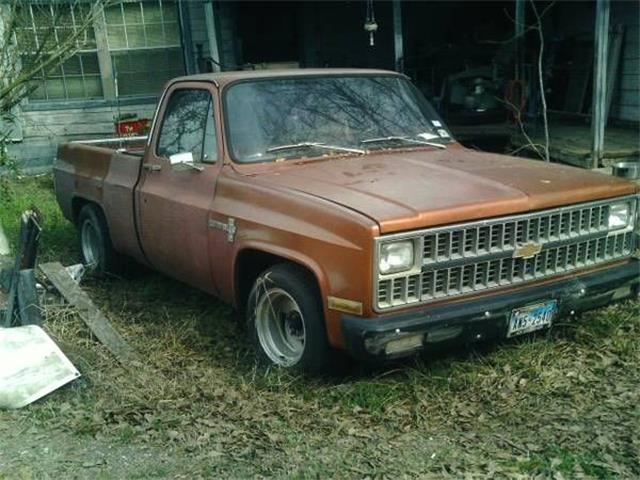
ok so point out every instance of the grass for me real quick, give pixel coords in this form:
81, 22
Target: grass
58, 238
558, 405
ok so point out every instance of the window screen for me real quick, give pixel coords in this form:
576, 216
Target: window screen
46, 28
188, 116
144, 42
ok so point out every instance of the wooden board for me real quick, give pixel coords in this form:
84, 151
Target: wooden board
90, 314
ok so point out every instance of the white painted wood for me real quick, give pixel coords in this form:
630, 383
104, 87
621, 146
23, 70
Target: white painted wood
104, 57
627, 93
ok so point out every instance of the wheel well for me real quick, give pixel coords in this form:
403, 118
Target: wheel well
250, 264
76, 205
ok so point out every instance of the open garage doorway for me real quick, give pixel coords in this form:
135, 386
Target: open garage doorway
313, 34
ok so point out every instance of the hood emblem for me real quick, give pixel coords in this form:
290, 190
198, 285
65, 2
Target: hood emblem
528, 250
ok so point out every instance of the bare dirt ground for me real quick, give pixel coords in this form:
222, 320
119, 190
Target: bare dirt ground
564, 404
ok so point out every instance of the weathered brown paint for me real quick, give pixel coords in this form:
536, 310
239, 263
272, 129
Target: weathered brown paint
173, 208
322, 213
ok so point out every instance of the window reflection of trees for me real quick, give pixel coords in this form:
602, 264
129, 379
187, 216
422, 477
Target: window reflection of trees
184, 123
333, 110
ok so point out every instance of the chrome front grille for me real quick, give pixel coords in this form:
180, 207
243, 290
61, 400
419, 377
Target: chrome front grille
483, 255
495, 237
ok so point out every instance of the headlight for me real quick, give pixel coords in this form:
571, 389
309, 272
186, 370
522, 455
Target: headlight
396, 257
619, 215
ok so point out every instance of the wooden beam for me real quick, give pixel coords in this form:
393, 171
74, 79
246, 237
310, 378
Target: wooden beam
104, 57
612, 66
90, 314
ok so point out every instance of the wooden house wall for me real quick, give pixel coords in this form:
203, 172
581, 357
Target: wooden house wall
626, 99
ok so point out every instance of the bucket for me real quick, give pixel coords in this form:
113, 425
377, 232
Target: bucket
627, 170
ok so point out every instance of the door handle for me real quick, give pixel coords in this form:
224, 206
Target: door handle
152, 167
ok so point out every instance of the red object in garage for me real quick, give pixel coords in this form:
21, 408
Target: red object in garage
138, 126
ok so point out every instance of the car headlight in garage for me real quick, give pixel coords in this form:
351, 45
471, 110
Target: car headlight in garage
619, 215
396, 256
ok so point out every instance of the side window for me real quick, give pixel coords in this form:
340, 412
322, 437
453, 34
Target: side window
210, 146
185, 127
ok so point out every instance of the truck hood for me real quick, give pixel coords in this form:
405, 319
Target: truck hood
417, 189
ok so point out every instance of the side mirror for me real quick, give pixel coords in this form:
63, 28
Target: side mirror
184, 161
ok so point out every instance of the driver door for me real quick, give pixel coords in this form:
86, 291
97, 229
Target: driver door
174, 197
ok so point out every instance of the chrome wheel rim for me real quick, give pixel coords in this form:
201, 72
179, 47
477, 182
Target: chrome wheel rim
280, 327
90, 243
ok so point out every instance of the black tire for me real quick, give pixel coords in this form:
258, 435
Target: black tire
95, 241
300, 285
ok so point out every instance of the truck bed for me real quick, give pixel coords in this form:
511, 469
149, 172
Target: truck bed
94, 171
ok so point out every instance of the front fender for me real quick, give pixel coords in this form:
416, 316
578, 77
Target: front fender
331, 241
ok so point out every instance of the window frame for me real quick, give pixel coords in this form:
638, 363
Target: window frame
107, 74
44, 77
114, 51
157, 131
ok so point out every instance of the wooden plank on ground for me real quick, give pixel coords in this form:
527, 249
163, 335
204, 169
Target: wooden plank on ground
90, 314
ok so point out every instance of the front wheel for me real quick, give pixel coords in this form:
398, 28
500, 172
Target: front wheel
286, 322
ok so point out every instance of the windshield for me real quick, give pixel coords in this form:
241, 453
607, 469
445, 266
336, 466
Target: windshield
295, 117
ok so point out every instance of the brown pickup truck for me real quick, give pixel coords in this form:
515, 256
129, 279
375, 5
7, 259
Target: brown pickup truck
334, 208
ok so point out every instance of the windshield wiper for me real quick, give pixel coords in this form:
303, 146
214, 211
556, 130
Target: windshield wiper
294, 146
393, 138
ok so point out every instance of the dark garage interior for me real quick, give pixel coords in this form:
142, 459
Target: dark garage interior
470, 60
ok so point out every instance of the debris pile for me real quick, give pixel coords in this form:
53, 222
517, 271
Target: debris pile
31, 364
19, 282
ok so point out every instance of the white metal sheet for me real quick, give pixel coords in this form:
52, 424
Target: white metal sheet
31, 366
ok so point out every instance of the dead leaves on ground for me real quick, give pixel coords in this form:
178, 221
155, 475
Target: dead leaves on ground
564, 405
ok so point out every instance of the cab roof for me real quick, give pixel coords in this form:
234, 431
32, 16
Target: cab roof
223, 78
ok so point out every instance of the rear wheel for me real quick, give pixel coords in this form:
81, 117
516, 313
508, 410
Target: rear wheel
95, 242
286, 322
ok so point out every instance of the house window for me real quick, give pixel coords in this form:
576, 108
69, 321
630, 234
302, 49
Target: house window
49, 30
144, 43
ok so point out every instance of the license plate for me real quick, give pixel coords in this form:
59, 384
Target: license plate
531, 318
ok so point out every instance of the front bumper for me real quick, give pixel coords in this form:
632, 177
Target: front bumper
486, 317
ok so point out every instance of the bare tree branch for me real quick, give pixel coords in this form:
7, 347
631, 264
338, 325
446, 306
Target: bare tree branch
51, 50
543, 97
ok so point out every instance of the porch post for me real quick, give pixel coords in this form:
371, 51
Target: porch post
519, 34
184, 17
599, 101
212, 36
105, 62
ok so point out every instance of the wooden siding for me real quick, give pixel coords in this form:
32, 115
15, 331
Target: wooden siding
626, 99
198, 30
225, 17
44, 129
577, 19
